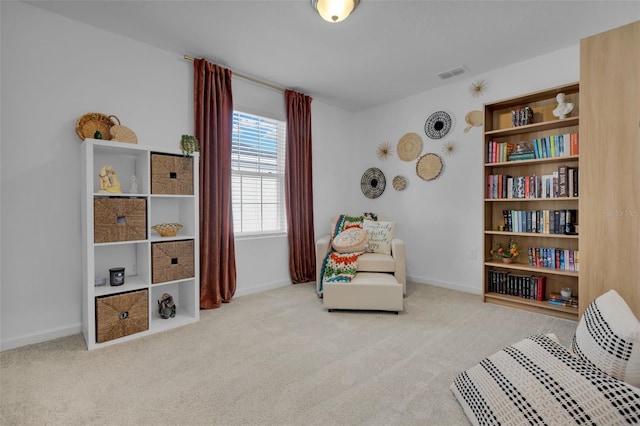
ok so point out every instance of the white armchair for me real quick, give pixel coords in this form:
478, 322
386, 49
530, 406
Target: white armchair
380, 282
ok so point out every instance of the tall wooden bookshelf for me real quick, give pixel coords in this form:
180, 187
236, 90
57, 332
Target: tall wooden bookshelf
499, 128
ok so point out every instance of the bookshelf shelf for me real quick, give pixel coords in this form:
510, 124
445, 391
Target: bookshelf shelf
532, 305
535, 269
536, 127
532, 234
499, 130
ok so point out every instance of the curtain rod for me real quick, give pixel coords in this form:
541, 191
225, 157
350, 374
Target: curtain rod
245, 77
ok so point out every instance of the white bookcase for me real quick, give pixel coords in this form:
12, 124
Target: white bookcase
135, 255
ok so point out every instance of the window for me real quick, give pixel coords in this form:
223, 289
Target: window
257, 174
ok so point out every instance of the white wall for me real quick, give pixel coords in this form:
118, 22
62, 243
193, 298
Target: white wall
441, 220
54, 70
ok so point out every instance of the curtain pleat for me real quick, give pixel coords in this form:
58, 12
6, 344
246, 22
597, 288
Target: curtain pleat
213, 112
299, 188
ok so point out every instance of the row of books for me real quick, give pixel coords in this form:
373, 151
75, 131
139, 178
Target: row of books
558, 300
526, 286
554, 258
546, 147
541, 221
561, 183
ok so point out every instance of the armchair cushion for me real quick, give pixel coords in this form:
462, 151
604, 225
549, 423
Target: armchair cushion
379, 236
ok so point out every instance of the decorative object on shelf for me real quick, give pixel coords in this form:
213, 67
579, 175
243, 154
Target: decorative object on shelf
449, 149
116, 276
373, 182
477, 88
521, 117
88, 124
409, 146
97, 135
166, 306
109, 182
429, 166
508, 254
473, 119
134, 185
98, 282
189, 144
564, 108
399, 183
384, 151
437, 125
565, 292
167, 229
121, 133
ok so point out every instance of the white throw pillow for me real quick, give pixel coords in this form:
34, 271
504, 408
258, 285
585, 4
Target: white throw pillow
379, 236
352, 240
608, 335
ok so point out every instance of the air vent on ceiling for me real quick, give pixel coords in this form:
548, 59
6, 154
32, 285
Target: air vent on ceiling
452, 72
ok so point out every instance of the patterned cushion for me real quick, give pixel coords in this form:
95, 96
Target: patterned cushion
379, 236
537, 381
350, 241
608, 335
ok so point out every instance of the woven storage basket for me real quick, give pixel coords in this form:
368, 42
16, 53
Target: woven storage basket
173, 260
119, 219
87, 125
121, 315
171, 174
167, 229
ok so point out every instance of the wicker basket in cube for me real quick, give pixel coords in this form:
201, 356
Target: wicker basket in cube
121, 314
119, 219
172, 260
171, 174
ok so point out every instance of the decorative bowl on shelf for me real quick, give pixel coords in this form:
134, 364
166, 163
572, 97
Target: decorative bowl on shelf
167, 229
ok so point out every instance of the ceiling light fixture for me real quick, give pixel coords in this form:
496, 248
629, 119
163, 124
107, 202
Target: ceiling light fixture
334, 10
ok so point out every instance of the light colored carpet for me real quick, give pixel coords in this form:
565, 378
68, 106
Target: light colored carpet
272, 358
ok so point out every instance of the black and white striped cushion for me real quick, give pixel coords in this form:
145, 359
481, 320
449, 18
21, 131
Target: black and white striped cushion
537, 381
608, 335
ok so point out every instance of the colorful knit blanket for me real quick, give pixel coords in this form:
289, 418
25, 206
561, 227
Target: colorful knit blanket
341, 267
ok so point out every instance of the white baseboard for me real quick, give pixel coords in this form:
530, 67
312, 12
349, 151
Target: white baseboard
31, 339
445, 284
261, 287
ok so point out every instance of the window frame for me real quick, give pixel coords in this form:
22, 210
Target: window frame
269, 172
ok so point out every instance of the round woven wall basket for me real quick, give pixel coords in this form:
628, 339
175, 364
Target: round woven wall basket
429, 166
88, 124
373, 182
409, 146
399, 183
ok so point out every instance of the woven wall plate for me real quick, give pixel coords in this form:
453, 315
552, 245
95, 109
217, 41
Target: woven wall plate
87, 125
429, 166
409, 146
399, 183
437, 125
373, 182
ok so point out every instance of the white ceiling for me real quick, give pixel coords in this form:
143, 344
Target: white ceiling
386, 50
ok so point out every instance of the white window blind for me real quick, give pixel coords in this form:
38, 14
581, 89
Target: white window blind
257, 174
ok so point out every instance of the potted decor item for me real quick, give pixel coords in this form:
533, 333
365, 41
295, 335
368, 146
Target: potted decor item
189, 144
508, 254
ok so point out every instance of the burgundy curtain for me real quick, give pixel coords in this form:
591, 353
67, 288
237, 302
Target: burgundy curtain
213, 111
299, 189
